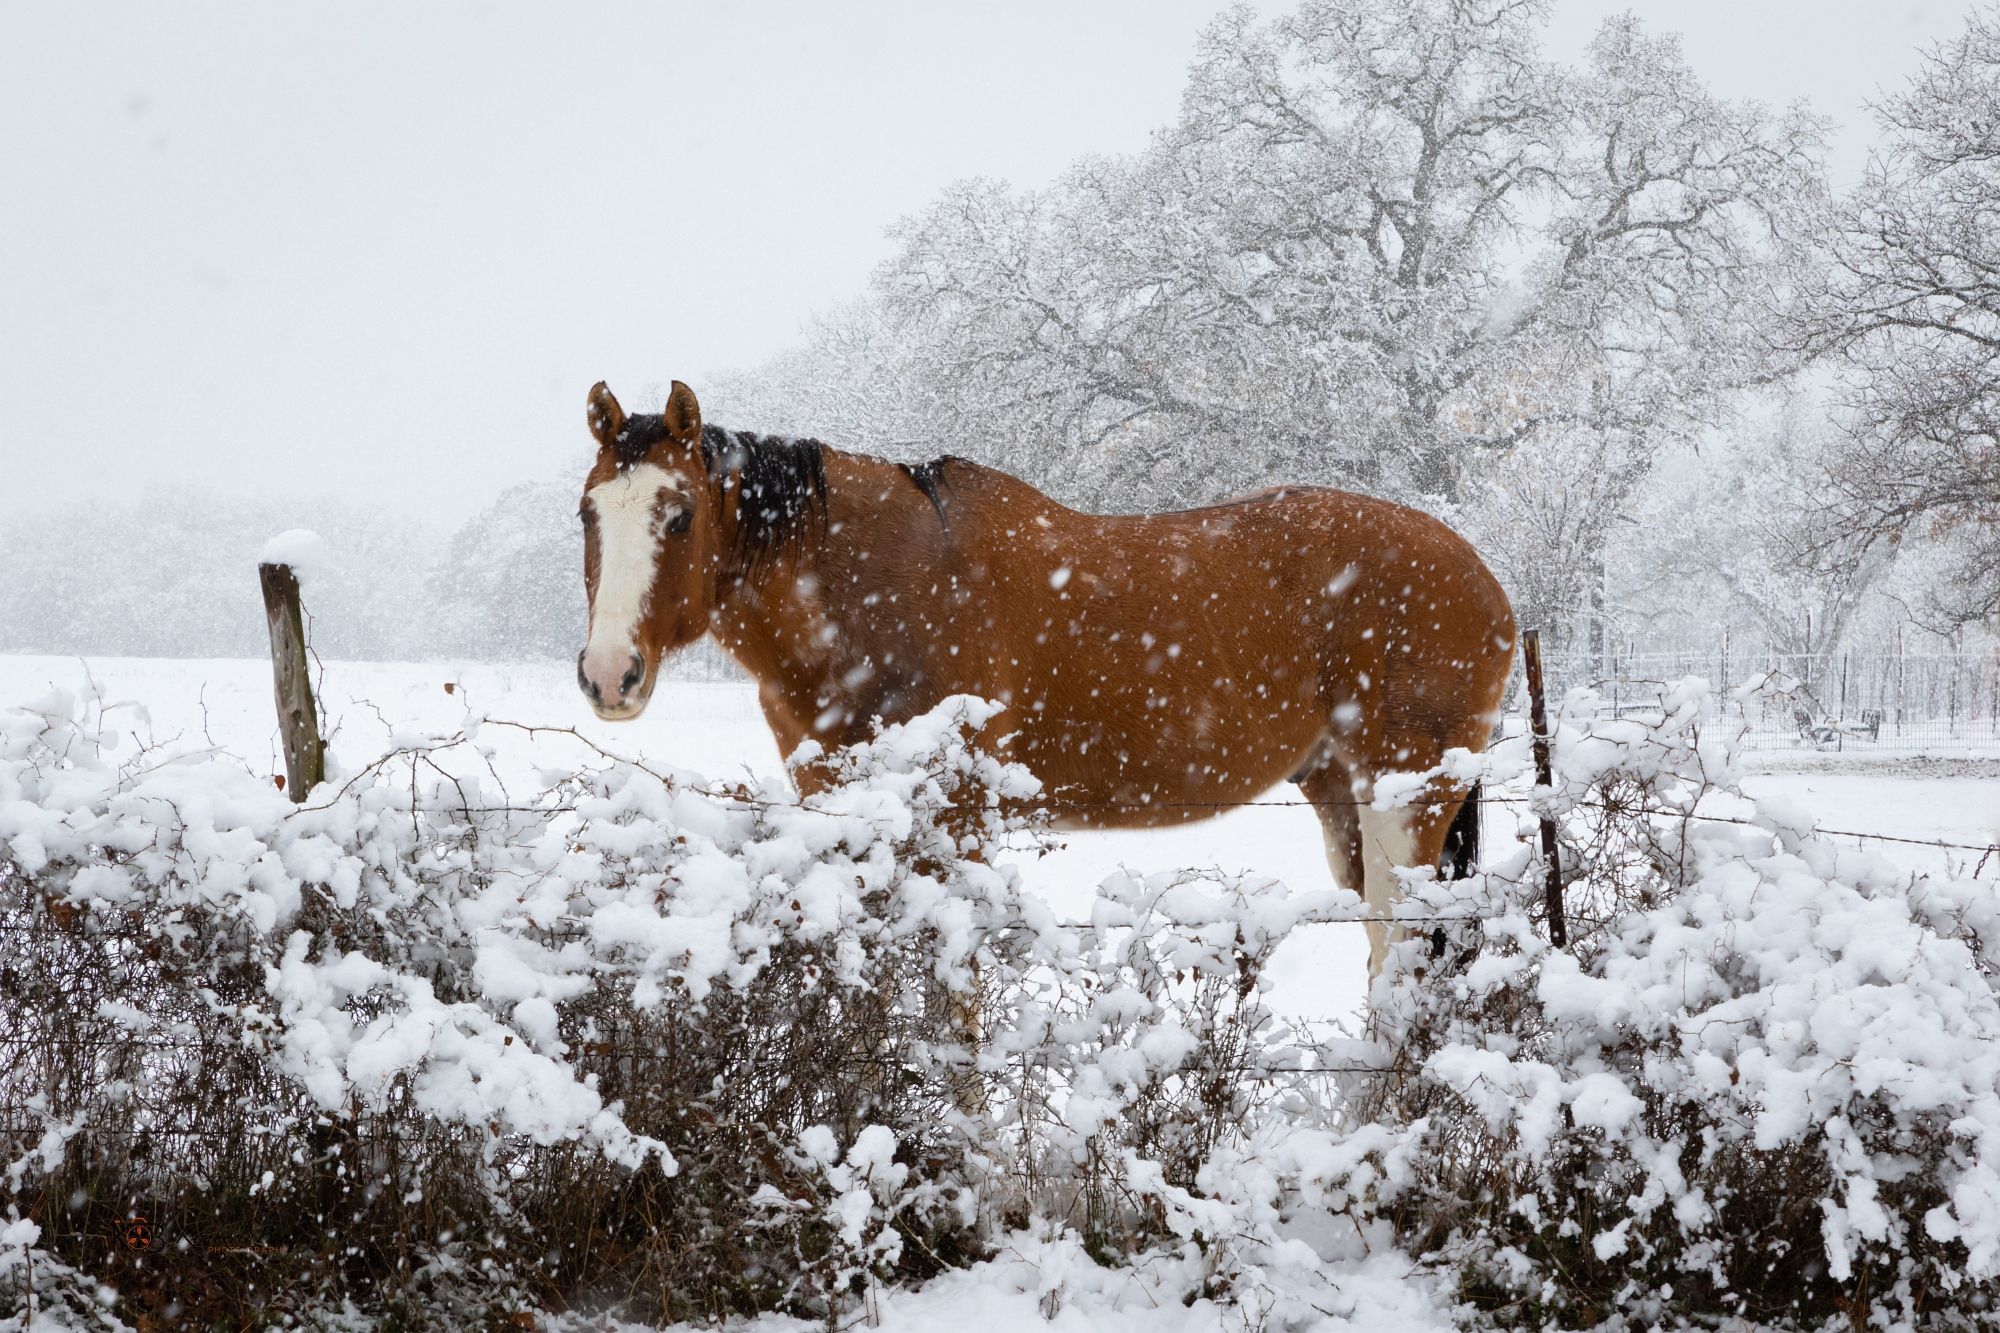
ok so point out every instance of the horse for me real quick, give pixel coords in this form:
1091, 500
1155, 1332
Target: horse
1156, 668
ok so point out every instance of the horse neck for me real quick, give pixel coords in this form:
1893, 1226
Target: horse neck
751, 617
770, 617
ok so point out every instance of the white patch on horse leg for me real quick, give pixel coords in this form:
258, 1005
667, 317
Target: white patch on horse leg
629, 522
1386, 842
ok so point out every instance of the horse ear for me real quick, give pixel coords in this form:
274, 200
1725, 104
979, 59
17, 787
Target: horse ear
605, 416
682, 415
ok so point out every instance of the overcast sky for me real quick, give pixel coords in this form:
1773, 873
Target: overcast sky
383, 250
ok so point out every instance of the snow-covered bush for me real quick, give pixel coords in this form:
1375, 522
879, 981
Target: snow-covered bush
433, 1039
1763, 1080
635, 1043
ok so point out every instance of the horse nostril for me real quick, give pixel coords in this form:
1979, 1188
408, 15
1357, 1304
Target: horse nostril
583, 681
631, 681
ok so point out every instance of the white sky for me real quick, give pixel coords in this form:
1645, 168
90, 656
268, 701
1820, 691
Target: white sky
383, 250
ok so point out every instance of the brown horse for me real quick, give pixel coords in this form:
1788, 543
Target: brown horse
1156, 667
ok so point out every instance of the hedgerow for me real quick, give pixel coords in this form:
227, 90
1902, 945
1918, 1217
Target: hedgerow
431, 1050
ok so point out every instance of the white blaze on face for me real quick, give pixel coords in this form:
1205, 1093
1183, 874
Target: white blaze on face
630, 523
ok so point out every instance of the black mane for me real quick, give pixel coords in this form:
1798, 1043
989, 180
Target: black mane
781, 484
782, 481
930, 479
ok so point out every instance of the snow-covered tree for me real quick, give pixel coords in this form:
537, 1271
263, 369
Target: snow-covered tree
511, 585
856, 381
175, 575
1707, 542
1910, 311
1555, 505
1383, 245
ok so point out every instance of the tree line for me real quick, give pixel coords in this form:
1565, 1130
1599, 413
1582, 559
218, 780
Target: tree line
174, 576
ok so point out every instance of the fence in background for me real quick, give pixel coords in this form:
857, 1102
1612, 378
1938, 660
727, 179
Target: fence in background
705, 662
1886, 703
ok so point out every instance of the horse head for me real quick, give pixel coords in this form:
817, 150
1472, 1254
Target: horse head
651, 547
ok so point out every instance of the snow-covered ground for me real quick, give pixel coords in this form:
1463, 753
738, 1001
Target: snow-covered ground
1035, 1285
717, 730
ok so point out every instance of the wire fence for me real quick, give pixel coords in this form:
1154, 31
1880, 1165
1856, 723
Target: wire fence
1853, 702
1850, 702
1057, 806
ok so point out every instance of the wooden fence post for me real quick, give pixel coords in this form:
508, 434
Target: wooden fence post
298, 717
1531, 653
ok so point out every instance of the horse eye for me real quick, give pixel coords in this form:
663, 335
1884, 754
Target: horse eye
679, 522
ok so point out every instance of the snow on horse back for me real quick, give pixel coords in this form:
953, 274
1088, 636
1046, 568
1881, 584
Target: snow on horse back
1156, 668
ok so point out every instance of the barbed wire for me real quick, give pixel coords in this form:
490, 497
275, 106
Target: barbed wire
1055, 806
1060, 806
1084, 928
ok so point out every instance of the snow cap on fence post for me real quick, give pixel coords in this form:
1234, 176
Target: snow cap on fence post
300, 550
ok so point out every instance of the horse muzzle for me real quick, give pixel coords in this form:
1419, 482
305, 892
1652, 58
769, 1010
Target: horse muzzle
617, 685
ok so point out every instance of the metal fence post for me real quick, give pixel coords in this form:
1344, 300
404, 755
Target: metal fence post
1531, 654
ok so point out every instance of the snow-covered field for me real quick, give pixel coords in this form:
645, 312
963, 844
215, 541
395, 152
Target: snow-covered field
717, 730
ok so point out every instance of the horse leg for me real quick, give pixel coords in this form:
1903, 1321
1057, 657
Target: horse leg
1399, 839
1330, 785
1387, 842
1341, 801
1365, 846
1461, 839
